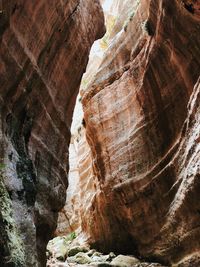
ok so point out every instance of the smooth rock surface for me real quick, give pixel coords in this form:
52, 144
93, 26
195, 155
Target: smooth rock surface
144, 138
69, 219
124, 261
44, 47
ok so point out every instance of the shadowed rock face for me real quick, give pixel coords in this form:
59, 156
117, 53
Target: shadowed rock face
144, 137
44, 47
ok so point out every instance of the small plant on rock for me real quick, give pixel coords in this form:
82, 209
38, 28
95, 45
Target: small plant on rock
2, 166
71, 236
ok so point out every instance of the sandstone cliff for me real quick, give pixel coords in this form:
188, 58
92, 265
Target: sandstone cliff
44, 47
144, 137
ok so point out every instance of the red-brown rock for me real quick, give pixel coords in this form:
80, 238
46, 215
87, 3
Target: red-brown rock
44, 47
144, 137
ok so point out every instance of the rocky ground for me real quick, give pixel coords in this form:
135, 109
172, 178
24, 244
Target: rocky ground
67, 251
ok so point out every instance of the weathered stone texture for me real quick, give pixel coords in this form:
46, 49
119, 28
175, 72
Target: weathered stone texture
44, 47
144, 137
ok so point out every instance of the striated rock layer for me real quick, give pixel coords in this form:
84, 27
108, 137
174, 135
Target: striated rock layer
83, 186
44, 47
144, 137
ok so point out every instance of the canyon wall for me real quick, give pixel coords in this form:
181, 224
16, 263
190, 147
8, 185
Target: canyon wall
80, 161
142, 124
44, 47
69, 219
82, 189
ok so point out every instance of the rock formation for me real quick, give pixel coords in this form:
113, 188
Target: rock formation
69, 219
44, 47
82, 181
144, 137
137, 165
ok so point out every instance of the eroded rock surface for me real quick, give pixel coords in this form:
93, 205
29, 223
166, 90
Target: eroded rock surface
83, 184
144, 137
69, 217
44, 47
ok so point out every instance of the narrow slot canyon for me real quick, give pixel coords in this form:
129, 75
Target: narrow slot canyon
100, 133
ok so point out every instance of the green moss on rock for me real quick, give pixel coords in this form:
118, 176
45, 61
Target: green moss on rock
11, 246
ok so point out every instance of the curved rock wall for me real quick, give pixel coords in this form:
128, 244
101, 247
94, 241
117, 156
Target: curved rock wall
80, 161
44, 47
144, 137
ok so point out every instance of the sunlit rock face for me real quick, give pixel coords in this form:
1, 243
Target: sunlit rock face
119, 13
142, 125
44, 47
69, 217
82, 189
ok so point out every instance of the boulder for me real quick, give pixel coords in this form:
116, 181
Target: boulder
75, 250
124, 261
58, 248
80, 258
